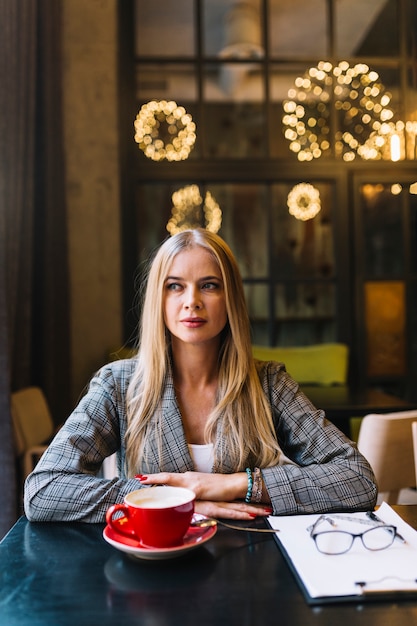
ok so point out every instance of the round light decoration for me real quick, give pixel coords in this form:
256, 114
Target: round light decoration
164, 130
190, 212
304, 201
361, 105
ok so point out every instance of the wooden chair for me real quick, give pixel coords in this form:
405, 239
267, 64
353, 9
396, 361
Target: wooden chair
386, 442
32, 424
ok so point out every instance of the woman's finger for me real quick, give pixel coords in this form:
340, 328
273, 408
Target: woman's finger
162, 478
231, 510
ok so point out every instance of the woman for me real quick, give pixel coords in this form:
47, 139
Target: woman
194, 409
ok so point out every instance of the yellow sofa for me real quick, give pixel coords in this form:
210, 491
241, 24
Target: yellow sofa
319, 364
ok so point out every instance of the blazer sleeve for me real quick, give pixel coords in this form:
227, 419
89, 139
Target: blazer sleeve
325, 471
65, 485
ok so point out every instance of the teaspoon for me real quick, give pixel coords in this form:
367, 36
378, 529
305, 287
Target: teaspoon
204, 522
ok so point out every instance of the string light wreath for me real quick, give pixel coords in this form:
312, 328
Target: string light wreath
164, 130
360, 101
304, 201
190, 212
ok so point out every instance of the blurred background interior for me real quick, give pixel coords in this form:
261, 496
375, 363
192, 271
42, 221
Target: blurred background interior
288, 127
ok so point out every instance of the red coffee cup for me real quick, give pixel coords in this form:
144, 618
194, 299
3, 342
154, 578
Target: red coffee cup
159, 516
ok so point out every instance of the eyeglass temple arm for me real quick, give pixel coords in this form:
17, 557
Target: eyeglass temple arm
375, 518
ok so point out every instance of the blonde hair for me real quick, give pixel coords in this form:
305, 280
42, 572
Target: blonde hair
242, 417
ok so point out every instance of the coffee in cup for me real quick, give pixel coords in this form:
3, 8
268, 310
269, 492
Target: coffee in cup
157, 516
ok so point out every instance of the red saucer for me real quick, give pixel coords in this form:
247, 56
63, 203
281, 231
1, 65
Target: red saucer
195, 537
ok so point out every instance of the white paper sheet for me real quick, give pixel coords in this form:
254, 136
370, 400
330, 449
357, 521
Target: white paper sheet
393, 569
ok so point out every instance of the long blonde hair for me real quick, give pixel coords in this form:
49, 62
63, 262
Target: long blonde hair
242, 417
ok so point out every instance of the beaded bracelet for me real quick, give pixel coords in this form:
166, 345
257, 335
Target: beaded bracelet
250, 485
257, 486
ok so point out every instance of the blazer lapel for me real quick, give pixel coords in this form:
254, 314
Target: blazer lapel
175, 455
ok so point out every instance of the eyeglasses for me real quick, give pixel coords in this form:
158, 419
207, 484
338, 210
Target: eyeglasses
379, 537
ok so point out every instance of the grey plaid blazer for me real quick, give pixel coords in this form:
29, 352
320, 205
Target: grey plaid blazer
321, 469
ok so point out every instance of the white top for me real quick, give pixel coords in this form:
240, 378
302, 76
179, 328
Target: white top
202, 456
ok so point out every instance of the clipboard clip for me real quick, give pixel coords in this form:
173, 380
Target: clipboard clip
367, 587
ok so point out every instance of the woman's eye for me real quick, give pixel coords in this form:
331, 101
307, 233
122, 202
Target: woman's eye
173, 286
210, 286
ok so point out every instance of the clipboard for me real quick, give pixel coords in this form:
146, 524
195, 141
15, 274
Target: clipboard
359, 575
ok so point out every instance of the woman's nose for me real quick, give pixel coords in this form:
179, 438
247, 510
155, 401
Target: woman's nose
193, 300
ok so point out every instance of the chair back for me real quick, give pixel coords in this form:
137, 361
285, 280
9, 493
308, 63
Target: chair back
32, 420
386, 442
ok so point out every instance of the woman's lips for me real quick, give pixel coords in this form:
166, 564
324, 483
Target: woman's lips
193, 322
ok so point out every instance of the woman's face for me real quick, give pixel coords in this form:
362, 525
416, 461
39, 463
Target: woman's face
194, 298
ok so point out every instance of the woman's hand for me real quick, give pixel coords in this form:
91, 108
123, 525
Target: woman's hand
221, 487
218, 495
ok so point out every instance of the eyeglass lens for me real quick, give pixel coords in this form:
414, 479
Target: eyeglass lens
338, 541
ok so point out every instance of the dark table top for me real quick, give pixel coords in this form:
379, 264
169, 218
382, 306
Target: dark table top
56, 574
342, 402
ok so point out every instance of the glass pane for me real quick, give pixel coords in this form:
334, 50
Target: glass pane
305, 300
234, 131
303, 255
411, 32
232, 29
366, 28
390, 80
279, 145
385, 321
304, 333
298, 29
244, 225
165, 208
234, 82
166, 81
153, 210
410, 115
302, 248
382, 227
164, 31
413, 227
234, 120
257, 302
